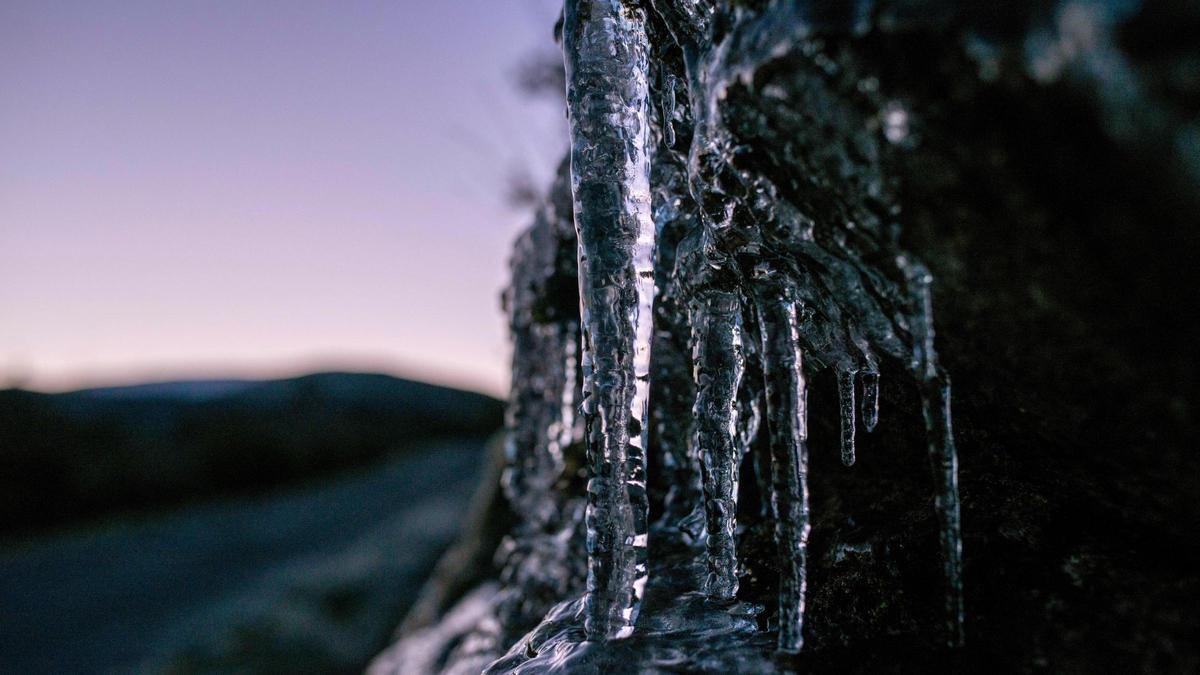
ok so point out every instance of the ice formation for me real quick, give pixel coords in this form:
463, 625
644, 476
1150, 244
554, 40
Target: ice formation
608, 105
718, 269
818, 293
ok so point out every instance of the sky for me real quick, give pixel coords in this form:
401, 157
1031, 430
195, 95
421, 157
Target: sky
221, 188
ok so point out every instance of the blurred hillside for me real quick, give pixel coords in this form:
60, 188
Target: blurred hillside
76, 455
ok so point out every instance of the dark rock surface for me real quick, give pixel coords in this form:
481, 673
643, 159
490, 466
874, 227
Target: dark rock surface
1046, 161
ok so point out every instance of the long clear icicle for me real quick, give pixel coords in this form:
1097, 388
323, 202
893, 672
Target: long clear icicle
719, 364
542, 400
943, 458
787, 421
608, 96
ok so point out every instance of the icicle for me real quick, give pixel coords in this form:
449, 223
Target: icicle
719, 366
935, 400
606, 48
846, 404
673, 465
540, 417
540, 559
668, 110
787, 421
750, 420
870, 400
541, 405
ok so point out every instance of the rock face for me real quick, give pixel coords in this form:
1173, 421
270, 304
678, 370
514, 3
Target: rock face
824, 180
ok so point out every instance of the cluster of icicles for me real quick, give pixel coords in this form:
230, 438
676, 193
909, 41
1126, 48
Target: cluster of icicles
743, 270
649, 246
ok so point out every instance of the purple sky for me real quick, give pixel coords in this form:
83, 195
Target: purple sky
216, 188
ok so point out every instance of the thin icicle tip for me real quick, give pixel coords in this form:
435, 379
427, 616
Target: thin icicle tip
870, 400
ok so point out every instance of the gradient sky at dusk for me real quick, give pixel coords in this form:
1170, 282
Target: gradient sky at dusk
215, 188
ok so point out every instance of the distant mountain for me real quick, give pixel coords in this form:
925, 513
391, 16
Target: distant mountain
195, 390
83, 453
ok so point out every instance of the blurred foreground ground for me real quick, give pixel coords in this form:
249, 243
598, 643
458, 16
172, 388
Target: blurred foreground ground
303, 571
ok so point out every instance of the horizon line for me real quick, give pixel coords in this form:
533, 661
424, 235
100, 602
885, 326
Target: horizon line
103, 378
